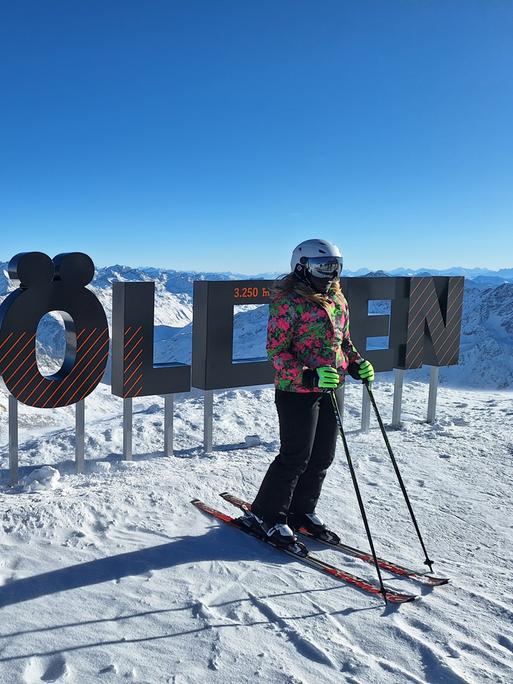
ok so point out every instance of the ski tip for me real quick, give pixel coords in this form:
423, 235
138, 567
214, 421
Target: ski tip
393, 597
404, 598
434, 580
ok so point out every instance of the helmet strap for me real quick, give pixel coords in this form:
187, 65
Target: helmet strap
303, 274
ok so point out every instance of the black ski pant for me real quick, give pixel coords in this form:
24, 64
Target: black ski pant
308, 437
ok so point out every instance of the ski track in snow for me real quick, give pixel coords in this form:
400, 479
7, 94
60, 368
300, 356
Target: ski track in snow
112, 576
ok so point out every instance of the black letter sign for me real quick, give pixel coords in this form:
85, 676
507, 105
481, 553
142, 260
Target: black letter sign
44, 286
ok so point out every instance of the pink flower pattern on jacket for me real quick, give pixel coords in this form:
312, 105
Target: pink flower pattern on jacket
304, 334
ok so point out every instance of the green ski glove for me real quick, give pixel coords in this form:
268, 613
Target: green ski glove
327, 377
363, 371
366, 371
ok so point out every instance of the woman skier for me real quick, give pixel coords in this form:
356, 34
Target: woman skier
309, 344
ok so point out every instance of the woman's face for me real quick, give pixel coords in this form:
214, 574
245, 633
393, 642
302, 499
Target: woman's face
321, 285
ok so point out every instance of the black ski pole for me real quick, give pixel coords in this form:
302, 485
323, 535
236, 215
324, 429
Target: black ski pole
427, 561
338, 418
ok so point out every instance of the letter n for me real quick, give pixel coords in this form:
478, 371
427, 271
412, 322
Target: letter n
434, 321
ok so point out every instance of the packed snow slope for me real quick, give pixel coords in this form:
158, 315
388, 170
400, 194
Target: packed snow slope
113, 576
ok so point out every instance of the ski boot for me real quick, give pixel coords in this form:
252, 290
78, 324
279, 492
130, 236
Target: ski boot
279, 534
314, 526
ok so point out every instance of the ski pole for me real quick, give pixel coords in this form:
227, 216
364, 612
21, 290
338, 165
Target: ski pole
338, 418
427, 561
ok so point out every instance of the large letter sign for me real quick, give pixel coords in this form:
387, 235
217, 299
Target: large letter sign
44, 286
423, 326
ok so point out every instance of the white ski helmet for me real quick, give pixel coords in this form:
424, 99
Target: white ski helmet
319, 258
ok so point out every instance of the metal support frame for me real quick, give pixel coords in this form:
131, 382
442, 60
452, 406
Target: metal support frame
433, 390
208, 420
13, 440
79, 435
398, 397
168, 424
365, 410
127, 429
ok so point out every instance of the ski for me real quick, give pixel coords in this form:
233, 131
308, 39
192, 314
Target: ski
368, 586
424, 578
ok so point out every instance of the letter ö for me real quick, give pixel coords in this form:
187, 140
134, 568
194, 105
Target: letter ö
52, 285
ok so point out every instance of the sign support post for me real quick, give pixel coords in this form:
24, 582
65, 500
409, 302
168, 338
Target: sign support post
365, 410
433, 391
168, 424
398, 397
127, 429
13, 440
79, 435
208, 421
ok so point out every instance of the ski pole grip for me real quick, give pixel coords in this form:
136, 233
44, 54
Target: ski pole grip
365, 381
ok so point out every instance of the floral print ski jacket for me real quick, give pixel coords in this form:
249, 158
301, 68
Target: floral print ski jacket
303, 334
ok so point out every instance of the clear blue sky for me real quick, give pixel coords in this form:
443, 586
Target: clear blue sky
216, 135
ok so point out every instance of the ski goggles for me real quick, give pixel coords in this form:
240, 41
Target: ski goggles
329, 267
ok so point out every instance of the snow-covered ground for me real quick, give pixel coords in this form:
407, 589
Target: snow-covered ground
113, 576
